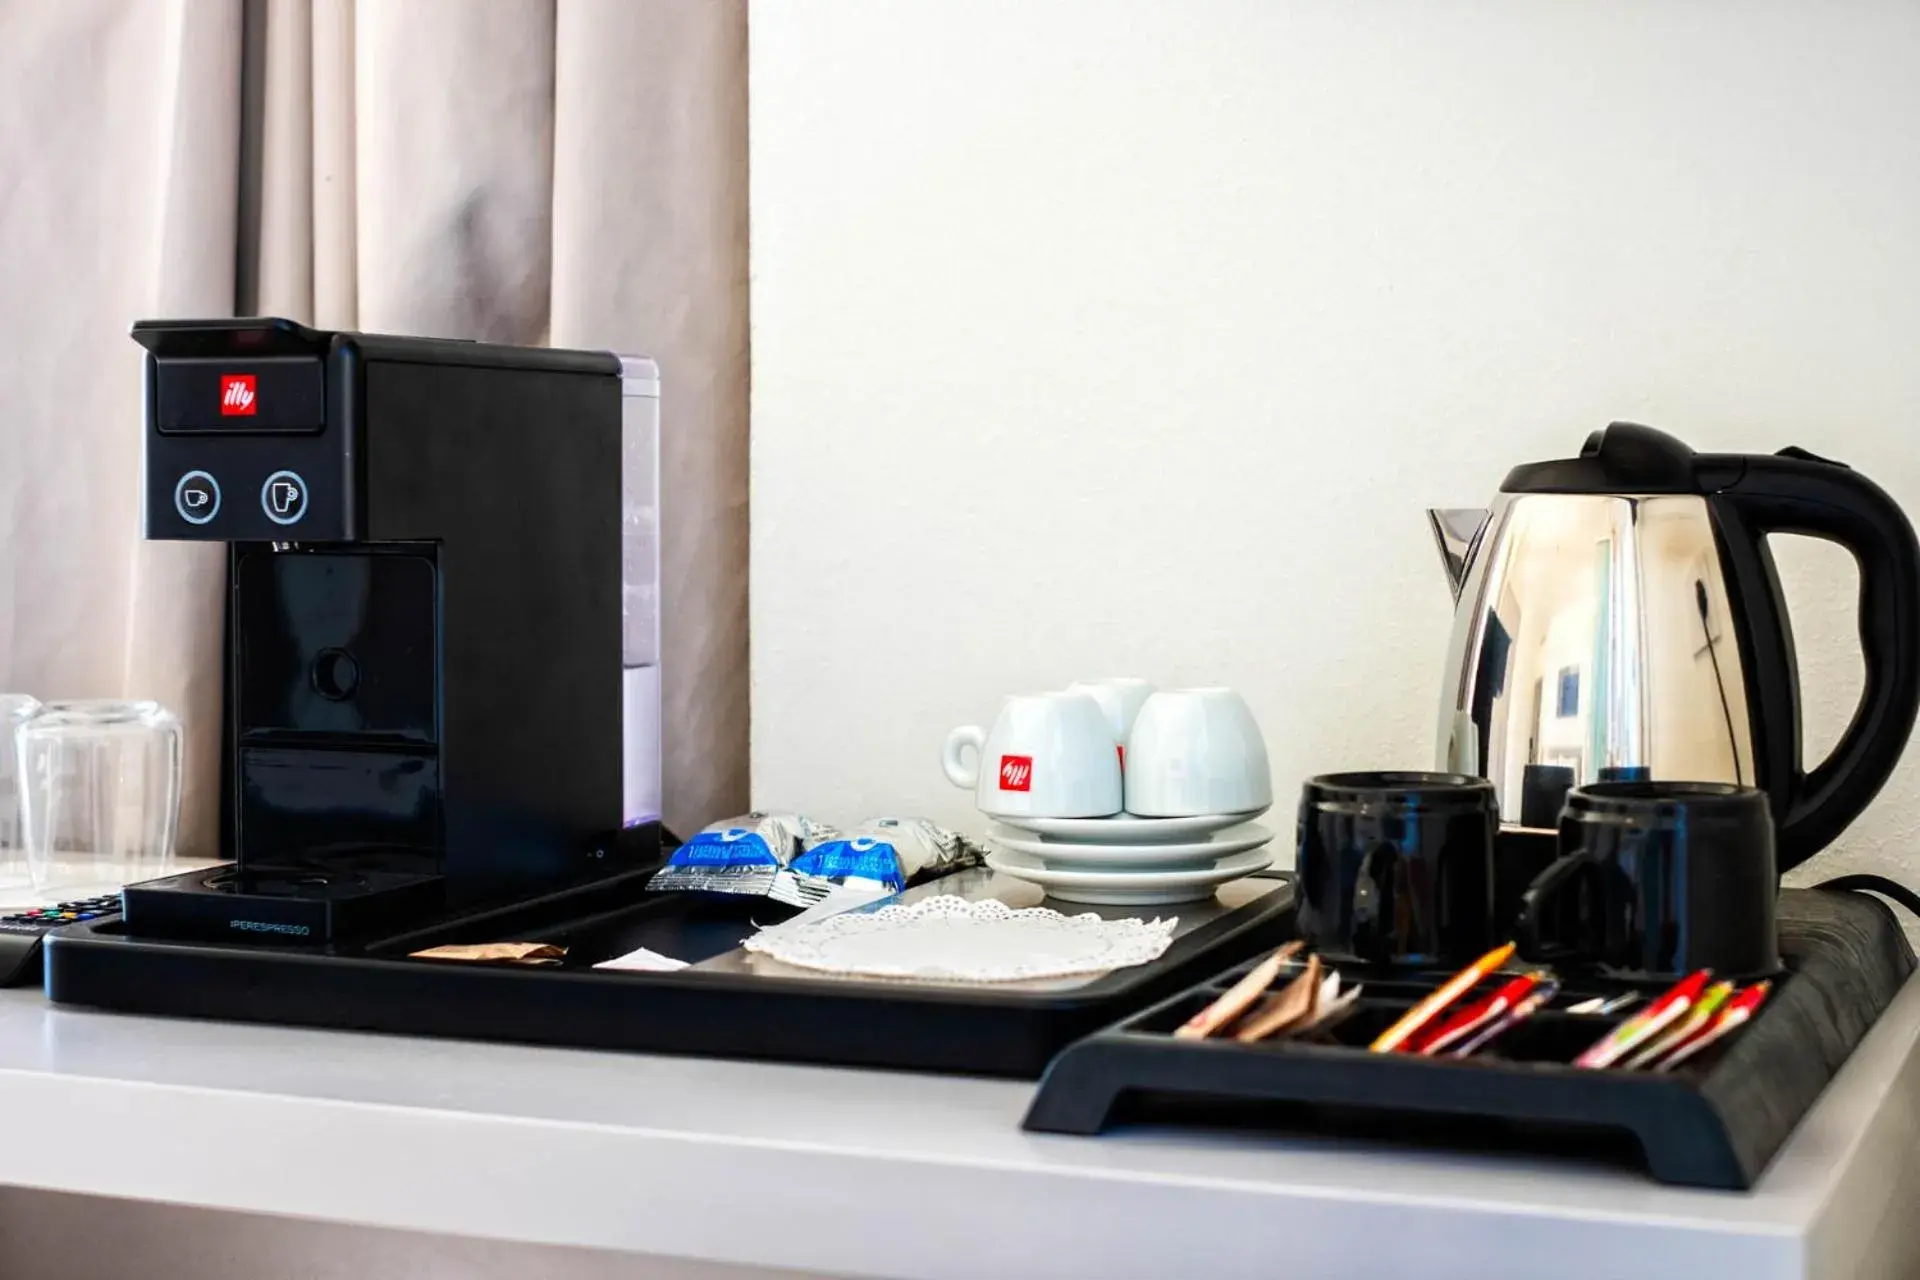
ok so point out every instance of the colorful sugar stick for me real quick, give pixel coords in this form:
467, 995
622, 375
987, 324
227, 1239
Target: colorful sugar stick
1434, 1005
1737, 1013
1479, 1014
1643, 1026
1534, 1002
1685, 1029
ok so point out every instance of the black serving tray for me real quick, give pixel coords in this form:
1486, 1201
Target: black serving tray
1715, 1122
729, 1003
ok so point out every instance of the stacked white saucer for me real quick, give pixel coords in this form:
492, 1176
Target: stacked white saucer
1129, 861
1111, 793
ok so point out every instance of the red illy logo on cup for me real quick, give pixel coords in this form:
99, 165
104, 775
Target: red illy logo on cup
1016, 773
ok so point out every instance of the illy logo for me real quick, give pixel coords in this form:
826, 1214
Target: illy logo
237, 397
1016, 773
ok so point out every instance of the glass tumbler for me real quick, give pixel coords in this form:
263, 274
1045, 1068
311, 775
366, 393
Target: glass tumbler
100, 795
15, 709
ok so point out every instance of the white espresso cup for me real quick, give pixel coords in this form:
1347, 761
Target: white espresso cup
1048, 755
1120, 698
1196, 751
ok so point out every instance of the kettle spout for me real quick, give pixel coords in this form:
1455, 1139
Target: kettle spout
1456, 529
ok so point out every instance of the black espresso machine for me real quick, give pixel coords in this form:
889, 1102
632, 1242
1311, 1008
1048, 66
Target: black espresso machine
442, 677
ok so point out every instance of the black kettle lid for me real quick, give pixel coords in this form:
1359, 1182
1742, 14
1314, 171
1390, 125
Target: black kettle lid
1622, 458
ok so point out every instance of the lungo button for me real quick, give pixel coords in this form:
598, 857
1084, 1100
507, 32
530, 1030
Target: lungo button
197, 497
284, 497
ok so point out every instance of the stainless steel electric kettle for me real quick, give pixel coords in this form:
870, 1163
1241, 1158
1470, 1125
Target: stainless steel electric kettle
1618, 616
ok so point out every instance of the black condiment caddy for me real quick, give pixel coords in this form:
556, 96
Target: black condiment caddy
1715, 1121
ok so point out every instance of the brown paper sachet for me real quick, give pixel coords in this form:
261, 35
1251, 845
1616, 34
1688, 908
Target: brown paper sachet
1327, 1003
512, 952
1335, 1003
1296, 1003
1239, 997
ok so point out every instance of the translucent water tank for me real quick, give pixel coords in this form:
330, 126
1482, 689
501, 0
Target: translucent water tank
640, 587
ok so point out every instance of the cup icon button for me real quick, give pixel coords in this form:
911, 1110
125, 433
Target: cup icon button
284, 497
197, 497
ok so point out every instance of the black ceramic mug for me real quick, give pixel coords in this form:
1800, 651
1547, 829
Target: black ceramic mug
1397, 868
1656, 880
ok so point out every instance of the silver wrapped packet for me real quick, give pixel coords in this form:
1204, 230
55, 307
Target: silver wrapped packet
888, 852
743, 855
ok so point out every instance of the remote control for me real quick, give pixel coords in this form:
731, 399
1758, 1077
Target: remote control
21, 932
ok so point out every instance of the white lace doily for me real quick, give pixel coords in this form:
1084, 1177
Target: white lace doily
950, 938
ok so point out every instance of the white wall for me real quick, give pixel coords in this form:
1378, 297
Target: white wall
1101, 337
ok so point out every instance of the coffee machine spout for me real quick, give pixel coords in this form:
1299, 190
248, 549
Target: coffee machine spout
1455, 530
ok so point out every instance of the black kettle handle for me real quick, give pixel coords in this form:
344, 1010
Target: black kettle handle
1795, 492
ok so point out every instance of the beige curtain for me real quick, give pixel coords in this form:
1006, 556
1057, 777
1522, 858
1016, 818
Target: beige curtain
565, 171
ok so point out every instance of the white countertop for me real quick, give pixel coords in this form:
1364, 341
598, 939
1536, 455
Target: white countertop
874, 1173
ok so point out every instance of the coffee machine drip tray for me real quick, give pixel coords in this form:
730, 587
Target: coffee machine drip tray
305, 900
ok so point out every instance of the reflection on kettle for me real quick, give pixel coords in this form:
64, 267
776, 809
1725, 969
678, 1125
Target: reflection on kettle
1618, 616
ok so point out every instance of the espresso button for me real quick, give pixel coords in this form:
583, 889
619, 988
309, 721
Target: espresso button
197, 497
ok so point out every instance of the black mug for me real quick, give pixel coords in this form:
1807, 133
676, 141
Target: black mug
1656, 880
1397, 868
